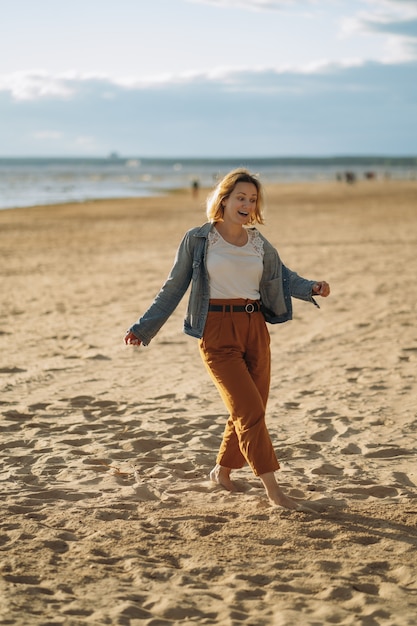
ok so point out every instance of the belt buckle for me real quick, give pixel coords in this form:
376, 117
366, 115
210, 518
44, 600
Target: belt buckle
249, 307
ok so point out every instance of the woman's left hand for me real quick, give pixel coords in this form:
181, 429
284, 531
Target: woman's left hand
321, 289
131, 339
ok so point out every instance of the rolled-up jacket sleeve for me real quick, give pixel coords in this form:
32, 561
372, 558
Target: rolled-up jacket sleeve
300, 287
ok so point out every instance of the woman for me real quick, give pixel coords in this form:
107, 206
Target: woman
237, 283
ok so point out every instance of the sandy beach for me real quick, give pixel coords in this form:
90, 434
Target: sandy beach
107, 513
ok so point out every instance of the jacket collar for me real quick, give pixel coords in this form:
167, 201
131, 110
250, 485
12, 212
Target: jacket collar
204, 230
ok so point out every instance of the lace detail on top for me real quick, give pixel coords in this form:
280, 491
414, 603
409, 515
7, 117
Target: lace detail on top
256, 242
213, 237
253, 239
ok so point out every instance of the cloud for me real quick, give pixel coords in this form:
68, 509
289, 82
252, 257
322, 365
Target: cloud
85, 141
33, 85
401, 37
47, 134
371, 11
253, 5
322, 109
404, 28
395, 19
390, 16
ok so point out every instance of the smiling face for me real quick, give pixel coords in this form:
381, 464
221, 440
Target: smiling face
241, 204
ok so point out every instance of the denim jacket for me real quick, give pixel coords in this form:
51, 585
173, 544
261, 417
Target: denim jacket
278, 284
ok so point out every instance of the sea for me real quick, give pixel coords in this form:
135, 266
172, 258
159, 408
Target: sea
26, 182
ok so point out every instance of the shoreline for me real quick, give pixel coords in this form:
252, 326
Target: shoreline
37, 182
204, 190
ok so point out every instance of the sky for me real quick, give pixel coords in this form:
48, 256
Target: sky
208, 78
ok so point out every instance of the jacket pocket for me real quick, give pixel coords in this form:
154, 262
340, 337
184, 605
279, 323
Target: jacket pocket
196, 269
272, 296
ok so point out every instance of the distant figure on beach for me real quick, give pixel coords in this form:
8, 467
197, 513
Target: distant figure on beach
238, 283
195, 186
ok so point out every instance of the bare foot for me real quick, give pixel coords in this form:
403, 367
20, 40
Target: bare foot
278, 498
221, 476
289, 503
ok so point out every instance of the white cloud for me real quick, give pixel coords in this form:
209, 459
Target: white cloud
395, 20
254, 5
43, 86
322, 108
85, 141
47, 134
35, 85
392, 22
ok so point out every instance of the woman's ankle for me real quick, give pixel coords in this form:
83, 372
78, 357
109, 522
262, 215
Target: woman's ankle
221, 476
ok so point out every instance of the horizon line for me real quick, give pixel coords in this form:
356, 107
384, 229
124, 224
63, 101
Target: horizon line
115, 156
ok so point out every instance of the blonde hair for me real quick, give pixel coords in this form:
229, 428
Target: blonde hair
224, 188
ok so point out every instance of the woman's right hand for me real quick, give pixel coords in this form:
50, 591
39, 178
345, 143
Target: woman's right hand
131, 339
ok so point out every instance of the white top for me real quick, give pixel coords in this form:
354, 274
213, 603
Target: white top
234, 271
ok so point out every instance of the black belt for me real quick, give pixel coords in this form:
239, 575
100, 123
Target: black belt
250, 307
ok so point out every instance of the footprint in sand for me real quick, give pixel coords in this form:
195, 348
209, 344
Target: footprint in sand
18, 415
145, 493
311, 447
410, 352
351, 448
365, 540
403, 479
327, 469
376, 491
58, 546
79, 401
386, 453
379, 491
324, 435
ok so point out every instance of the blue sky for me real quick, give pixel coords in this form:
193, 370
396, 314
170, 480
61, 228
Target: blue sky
208, 78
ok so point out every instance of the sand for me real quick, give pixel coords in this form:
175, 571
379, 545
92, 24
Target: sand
107, 514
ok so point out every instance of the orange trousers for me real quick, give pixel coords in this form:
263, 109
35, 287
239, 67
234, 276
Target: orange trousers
235, 349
